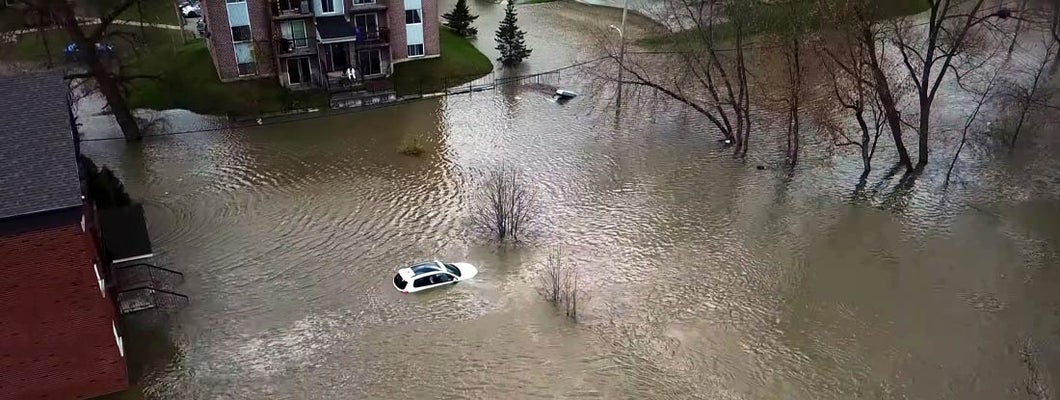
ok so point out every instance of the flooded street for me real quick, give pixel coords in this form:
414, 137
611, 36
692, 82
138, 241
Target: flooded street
708, 278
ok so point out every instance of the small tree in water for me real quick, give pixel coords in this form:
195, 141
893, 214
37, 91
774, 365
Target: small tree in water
560, 285
510, 41
460, 19
506, 204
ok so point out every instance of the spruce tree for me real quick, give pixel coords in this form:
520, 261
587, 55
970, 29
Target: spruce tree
460, 19
510, 39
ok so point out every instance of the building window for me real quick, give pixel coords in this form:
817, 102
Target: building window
294, 31
370, 62
298, 70
236, 1
327, 6
241, 33
367, 22
413, 17
415, 50
118, 340
245, 59
363, 1
246, 69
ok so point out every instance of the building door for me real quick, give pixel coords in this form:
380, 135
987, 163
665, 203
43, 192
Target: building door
369, 62
298, 70
340, 57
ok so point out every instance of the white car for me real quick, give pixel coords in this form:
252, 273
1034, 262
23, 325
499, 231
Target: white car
191, 10
432, 274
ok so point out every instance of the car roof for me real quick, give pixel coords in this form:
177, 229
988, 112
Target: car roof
427, 267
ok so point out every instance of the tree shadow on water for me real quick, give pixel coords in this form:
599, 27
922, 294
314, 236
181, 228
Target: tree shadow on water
897, 199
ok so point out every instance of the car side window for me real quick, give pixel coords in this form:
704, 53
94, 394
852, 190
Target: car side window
425, 281
443, 278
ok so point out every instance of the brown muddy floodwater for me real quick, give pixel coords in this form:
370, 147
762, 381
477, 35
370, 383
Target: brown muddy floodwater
709, 278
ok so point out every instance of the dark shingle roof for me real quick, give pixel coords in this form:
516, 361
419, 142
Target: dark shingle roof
38, 166
331, 28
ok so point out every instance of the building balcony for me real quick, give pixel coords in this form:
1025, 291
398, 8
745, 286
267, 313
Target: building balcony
295, 47
362, 6
380, 36
291, 9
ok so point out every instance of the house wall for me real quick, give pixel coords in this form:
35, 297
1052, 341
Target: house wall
220, 37
61, 338
399, 34
431, 24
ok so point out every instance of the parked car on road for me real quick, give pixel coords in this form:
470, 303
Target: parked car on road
102, 49
190, 9
432, 274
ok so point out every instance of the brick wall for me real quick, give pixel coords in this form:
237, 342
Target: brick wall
220, 41
431, 23
396, 20
220, 38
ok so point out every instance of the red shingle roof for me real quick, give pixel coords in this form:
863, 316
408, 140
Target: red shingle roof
56, 337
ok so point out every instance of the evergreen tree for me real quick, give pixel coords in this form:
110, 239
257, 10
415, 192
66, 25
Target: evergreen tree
460, 19
510, 39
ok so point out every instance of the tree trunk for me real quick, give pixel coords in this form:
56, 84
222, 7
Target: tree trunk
1019, 125
866, 156
1019, 26
883, 90
922, 134
109, 84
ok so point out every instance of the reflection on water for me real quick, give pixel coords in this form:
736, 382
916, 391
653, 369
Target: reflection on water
709, 278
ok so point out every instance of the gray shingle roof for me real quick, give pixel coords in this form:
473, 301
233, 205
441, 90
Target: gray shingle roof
38, 165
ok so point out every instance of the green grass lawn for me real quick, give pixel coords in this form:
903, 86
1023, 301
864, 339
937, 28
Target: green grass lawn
189, 81
187, 77
460, 62
11, 18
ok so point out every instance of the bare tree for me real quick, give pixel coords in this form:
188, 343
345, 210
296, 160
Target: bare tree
1019, 27
863, 57
795, 16
506, 204
553, 278
854, 91
108, 79
930, 54
561, 284
1027, 89
854, 21
703, 66
982, 97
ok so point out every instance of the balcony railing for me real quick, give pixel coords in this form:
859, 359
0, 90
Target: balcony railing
359, 5
291, 8
378, 36
295, 47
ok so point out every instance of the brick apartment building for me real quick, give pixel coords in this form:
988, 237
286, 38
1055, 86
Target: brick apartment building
334, 44
59, 331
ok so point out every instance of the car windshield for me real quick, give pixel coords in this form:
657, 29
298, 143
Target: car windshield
399, 282
453, 269
424, 268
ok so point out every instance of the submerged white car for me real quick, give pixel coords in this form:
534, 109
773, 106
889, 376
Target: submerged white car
432, 274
